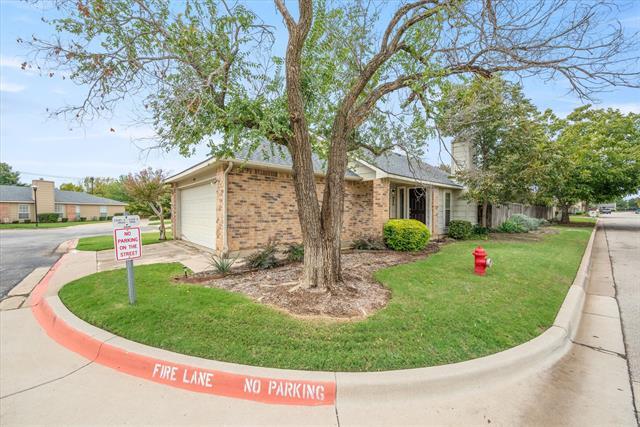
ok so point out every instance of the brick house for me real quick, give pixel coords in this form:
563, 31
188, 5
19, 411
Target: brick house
239, 204
17, 203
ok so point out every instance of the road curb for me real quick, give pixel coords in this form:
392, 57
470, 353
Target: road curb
291, 387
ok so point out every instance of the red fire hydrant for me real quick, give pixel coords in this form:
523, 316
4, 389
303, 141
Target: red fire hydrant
481, 261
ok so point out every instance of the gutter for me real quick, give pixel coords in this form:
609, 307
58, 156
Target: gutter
225, 237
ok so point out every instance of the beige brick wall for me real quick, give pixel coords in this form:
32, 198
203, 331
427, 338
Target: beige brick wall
262, 205
9, 212
91, 211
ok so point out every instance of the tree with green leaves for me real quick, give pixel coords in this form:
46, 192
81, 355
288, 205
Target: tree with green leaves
70, 186
147, 187
356, 77
500, 127
8, 176
593, 157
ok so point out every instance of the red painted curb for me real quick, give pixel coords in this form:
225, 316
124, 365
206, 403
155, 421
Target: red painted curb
260, 389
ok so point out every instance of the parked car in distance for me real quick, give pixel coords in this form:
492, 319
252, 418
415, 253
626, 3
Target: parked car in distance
638, 211
605, 210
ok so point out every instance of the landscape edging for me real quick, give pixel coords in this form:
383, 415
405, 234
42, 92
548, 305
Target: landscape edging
544, 350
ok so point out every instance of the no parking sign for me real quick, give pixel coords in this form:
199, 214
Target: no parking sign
127, 243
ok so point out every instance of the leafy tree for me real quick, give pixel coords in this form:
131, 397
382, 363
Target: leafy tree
8, 176
147, 187
501, 128
110, 188
356, 76
594, 157
70, 186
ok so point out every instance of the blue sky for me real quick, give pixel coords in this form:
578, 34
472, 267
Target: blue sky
40, 146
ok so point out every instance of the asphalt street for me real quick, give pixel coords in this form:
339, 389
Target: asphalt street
22, 250
623, 240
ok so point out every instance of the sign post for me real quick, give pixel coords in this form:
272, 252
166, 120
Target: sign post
127, 243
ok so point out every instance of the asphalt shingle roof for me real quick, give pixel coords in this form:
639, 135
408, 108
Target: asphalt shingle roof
276, 155
400, 164
15, 193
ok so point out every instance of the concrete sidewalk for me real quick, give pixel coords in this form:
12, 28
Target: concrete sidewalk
44, 383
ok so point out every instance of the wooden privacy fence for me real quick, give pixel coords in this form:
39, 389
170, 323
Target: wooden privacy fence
500, 213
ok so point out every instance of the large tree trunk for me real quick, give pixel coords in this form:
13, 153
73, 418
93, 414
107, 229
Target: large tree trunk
320, 231
485, 207
564, 218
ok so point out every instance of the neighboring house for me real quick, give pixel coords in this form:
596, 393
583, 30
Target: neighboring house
17, 203
242, 203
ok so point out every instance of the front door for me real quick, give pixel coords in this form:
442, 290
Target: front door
418, 204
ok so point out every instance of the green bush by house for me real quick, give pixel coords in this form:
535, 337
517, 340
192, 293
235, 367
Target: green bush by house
48, 217
406, 234
460, 230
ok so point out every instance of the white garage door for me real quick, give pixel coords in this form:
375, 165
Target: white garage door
198, 215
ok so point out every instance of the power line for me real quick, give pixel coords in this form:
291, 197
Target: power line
49, 176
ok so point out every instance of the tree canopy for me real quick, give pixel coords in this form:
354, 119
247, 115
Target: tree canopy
8, 176
593, 155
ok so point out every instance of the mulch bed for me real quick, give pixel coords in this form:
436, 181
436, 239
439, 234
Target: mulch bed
358, 297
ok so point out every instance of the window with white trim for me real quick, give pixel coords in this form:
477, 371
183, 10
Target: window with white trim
60, 210
103, 211
24, 212
77, 212
447, 208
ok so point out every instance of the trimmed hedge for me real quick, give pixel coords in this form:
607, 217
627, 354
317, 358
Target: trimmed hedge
48, 217
460, 230
406, 234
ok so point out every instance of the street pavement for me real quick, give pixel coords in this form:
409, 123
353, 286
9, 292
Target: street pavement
622, 231
23, 250
44, 383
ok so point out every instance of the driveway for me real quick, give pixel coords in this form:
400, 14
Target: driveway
22, 250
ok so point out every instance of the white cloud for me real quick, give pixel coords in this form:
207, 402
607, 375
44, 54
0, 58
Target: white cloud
11, 87
10, 62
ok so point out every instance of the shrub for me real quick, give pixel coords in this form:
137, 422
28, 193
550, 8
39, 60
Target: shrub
481, 231
406, 234
222, 263
295, 252
65, 219
525, 221
460, 230
27, 221
15, 222
263, 258
83, 218
103, 218
369, 243
511, 227
109, 218
48, 217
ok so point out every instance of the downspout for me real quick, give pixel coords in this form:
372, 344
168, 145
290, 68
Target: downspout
225, 239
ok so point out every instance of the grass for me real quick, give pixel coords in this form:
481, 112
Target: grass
49, 224
439, 311
101, 243
581, 218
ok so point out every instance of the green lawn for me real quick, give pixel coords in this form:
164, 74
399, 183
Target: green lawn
440, 312
101, 243
49, 224
582, 218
